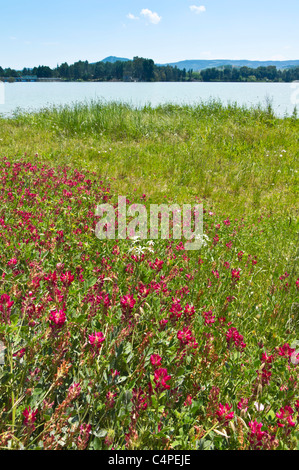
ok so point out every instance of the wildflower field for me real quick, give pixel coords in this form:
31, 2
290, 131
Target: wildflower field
140, 344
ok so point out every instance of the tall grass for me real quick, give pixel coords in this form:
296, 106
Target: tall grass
237, 157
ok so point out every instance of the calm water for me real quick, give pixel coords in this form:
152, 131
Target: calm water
33, 96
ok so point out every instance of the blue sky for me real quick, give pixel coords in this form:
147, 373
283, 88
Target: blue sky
35, 32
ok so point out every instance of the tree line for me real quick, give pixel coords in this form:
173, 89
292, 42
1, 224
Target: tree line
140, 69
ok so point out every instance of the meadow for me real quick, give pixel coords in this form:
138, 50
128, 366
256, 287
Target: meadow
123, 344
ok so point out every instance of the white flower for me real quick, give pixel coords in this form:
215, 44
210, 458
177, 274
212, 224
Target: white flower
259, 406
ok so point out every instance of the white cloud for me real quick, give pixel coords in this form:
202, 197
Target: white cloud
198, 9
132, 17
151, 16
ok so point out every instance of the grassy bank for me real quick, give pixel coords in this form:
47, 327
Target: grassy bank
145, 345
241, 159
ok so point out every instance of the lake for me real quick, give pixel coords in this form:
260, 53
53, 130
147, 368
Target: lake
34, 96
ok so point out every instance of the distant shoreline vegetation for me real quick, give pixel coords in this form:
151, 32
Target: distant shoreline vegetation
145, 70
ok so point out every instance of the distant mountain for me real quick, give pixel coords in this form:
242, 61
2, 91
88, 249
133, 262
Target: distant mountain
114, 59
197, 65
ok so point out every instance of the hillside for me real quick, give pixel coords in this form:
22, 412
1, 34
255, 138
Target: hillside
197, 65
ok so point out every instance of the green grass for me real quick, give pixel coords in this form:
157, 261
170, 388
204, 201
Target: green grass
237, 158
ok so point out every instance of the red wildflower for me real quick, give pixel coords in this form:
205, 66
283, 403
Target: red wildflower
156, 360
233, 336
285, 350
29, 418
110, 402
84, 435
209, 317
57, 319
235, 275
12, 262
258, 439
160, 378
267, 359
189, 311
285, 417
74, 391
96, 340
5, 308
242, 405
223, 413
67, 278
127, 303
176, 309
185, 337
188, 401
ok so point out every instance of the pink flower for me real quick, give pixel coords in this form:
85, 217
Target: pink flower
156, 360
264, 376
185, 337
258, 439
96, 340
267, 359
157, 265
29, 418
215, 240
5, 308
223, 413
233, 336
160, 378
139, 399
285, 417
284, 276
84, 435
12, 262
20, 353
242, 405
51, 278
189, 311
110, 402
209, 317
285, 350
74, 391
67, 278
114, 373
176, 309
127, 303
57, 319
188, 401
235, 275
